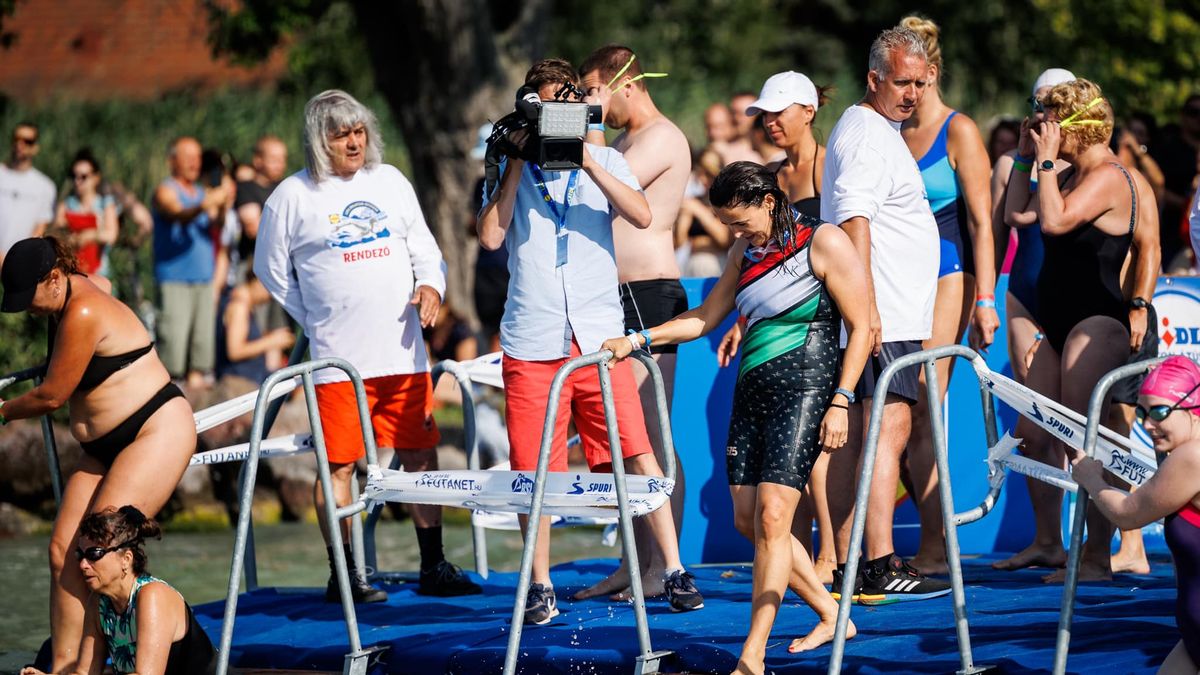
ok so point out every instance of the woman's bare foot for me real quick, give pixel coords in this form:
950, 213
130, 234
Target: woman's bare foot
1088, 571
652, 587
613, 583
819, 635
1034, 556
825, 568
930, 566
1130, 562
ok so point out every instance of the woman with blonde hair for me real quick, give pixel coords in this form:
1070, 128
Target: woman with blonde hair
1092, 216
954, 166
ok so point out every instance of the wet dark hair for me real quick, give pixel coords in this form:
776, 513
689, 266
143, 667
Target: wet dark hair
748, 184
126, 525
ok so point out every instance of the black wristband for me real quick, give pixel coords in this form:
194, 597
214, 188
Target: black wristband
839, 405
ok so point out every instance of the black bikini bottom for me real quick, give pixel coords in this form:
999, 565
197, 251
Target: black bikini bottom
107, 447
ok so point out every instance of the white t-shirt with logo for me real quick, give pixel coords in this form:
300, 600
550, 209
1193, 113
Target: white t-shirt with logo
343, 257
869, 172
26, 199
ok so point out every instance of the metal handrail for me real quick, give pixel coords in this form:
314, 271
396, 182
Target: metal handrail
38, 374
928, 358
250, 469
1096, 408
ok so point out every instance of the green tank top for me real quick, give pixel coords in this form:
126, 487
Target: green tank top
120, 629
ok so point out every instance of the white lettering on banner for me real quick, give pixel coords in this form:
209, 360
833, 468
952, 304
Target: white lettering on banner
1067, 426
354, 256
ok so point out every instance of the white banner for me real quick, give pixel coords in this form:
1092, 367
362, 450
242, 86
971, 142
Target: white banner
583, 495
1119, 455
280, 446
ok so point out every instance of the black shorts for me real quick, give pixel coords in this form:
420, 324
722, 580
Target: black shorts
107, 447
651, 303
905, 384
1126, 390
777, 411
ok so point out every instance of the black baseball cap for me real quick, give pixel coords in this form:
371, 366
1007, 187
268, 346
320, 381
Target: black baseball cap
25, 265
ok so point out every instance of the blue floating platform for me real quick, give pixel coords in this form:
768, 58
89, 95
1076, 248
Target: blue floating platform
1126, 626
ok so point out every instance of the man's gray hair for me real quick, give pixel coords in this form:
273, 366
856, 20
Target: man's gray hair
328, 113
899, 39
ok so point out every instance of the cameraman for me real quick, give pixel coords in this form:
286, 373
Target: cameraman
563, 301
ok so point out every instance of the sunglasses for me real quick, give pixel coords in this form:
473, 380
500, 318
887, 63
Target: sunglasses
1162, 411
95, 553
81, 176
1036, 105
25, 139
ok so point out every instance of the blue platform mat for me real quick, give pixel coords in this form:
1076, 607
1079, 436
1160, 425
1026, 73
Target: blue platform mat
1126, 626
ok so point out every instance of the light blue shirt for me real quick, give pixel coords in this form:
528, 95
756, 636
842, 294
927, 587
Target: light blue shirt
547, 304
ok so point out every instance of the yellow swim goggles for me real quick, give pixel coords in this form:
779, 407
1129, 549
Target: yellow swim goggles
632, 80
1071, 121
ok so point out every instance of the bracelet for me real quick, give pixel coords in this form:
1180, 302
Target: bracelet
595, 127
844, 392
985, 302
985, 296
633, 341
1039, 336
646, 335
1024, 167
839, 405
1027, 160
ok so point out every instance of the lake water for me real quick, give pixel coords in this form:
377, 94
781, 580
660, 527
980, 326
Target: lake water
197, 564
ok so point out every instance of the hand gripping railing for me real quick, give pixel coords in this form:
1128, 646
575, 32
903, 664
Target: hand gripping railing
647, 660
357, 660
37, 373
1097, 407
471, 445
952, 520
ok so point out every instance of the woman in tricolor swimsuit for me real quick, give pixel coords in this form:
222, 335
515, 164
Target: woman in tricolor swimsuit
1169, 409
791, 277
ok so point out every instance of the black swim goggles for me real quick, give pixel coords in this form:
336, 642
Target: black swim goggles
1160, 412
95, 553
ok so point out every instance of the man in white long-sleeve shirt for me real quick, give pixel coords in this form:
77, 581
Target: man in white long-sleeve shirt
874, 191
343, 246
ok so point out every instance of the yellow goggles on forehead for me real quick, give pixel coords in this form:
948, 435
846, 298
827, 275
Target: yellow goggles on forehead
1071, 121
632, 80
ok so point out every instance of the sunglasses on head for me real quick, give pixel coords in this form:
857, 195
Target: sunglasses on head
1162, 411
95, 553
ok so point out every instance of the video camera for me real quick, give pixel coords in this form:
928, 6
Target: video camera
556, 131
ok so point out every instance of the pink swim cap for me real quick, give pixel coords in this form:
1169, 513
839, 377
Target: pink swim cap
1173, 379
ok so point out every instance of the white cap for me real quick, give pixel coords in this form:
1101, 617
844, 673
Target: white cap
480, 148
1051, 77
783, 89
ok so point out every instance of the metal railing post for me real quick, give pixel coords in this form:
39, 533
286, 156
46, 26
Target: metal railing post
1097, 406
870, 449
52, 461
357, 656
664, 414
941, 457
627, 538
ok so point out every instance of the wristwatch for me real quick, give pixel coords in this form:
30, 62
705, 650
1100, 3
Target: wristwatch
1046, 165
1139, 303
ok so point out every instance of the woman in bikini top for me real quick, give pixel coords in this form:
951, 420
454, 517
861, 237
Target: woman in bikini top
136, 428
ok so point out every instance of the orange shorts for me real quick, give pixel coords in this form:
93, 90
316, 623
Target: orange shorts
401, 408
527, 390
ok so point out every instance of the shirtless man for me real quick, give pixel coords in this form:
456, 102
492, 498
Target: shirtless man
657, 152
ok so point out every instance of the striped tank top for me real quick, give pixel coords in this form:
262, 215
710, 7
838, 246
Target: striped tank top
780, 297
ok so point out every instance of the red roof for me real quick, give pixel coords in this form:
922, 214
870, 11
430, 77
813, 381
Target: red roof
102, 49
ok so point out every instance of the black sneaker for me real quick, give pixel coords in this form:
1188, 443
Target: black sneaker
446, 580
360, 590
898, 582
681, 591
540, 605
835, 589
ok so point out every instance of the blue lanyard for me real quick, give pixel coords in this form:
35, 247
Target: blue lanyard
540, 181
